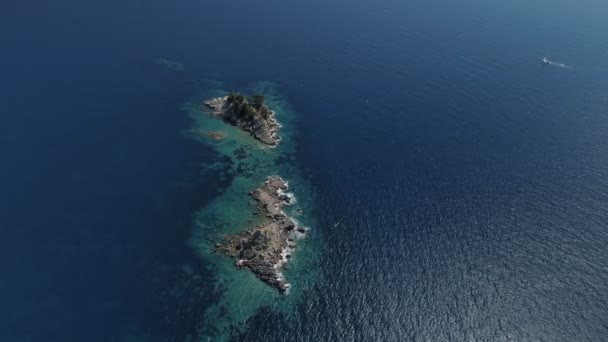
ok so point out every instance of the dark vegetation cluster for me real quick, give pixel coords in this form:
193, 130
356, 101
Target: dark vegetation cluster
248, 108
259, 241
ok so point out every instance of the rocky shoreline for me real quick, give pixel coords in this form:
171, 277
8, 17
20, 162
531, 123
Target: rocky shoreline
267, 247
255, 118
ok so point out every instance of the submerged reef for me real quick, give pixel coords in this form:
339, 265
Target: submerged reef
251, 115
170, 65
213, 135
265, 248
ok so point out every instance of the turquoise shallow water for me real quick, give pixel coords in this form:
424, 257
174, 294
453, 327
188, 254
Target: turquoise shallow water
250, 162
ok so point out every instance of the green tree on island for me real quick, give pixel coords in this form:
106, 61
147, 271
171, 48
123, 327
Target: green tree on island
237, 98
244, 109
258, 101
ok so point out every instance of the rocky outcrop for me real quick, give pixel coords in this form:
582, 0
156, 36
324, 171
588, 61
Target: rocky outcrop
213, 135
265, 248
256, 118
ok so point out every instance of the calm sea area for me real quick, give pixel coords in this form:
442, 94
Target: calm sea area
460, 183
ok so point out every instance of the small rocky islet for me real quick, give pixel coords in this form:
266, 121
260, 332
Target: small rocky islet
250, 115
265, 248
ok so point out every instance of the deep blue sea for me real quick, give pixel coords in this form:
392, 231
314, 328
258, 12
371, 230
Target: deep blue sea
462, 184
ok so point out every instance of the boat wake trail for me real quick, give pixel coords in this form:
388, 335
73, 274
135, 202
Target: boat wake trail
547, 61
561, 65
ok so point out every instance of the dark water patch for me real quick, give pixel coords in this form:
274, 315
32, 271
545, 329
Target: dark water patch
180, 291
103, 186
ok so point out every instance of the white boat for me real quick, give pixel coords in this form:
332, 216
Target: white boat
546, 60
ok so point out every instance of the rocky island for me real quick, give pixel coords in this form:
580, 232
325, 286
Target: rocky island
251, 115
265, 248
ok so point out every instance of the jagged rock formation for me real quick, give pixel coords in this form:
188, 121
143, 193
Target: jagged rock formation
265, 248
255, 118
